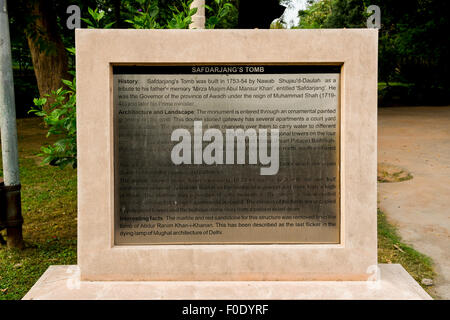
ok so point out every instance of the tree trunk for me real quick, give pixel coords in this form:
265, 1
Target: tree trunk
47, 49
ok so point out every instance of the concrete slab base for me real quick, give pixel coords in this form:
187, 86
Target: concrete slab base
63, 283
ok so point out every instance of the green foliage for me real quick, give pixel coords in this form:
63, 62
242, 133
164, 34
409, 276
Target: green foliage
149, 15
61, 121
412, 46
315, 14
181, 19
96, 20
221, 13
23, 23
143, 14
333, 14
347, 14
414, 32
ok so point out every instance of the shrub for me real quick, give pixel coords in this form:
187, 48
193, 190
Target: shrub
61, 121
61, 116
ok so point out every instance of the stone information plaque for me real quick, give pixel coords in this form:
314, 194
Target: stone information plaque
226, 154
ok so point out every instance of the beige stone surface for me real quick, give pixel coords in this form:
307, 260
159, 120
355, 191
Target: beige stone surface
418, 139
63, 283
353, 259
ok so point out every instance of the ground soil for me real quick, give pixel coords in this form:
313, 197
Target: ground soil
417, 140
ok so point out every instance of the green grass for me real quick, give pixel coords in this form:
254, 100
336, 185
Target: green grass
19, 270
391, 249
49, 210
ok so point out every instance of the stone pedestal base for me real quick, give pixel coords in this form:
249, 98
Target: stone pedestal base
63, 283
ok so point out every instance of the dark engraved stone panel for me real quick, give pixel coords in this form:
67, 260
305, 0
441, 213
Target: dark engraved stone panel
226, 154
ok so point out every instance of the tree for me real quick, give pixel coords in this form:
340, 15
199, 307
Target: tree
147, 14
315, 14
347, 14
43, 25
333, 14
412, 48
46, 46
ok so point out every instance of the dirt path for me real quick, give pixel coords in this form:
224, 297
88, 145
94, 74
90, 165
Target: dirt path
418, 140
